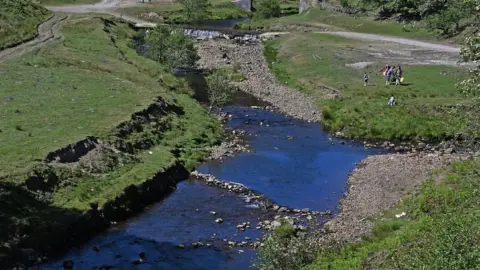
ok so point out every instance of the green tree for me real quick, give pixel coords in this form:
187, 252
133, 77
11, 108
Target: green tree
448, 21
471, 52
196, 10
219, 89
268, 9
170, 47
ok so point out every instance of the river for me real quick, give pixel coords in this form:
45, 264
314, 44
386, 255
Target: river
293, 162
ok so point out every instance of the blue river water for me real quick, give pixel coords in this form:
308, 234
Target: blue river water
293, 162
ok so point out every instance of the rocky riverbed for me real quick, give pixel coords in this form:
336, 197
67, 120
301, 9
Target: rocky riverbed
378, 184
218, 53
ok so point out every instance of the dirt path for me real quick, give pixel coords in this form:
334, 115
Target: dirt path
411, 42
107, 7
47, 32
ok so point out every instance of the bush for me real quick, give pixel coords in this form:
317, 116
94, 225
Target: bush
284, 231
268, 9
195, 10
219, 89
284, 249
447, 21
170, 47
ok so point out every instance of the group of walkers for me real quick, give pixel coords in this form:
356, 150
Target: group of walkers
392, 74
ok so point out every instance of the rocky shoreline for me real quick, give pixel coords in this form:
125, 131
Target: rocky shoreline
274, 216
376, 185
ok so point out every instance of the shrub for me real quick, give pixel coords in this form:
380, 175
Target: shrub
219, 89
171, 48
268, 9
195, 10
286, 250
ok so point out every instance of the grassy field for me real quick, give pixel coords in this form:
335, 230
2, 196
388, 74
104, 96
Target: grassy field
66, 2
307, 61
19, 20
439, 231
170, 12
85, 86
337, 21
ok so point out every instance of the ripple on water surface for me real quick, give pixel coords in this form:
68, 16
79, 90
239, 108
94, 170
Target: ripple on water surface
293, 163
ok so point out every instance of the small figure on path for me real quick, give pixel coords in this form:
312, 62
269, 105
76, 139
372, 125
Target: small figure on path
365, 79
391, 102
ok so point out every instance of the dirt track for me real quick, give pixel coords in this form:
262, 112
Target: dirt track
106, 7
47, 32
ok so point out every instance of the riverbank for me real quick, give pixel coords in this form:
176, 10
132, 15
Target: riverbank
417, 229
144, 132
428, 107
220, 53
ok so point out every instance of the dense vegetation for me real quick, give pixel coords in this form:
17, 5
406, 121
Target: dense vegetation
19, 20
448, 17
170, 47
267, 9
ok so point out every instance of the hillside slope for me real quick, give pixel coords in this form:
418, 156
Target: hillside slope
19, 20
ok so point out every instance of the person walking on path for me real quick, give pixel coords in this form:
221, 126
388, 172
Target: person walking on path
365, 79
391, 102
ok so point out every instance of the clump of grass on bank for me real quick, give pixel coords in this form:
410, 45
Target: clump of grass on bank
86, 86
439, 231
310, 61
173, 13
19, 20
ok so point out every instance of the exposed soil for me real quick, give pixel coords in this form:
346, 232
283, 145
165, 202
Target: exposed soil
47, 32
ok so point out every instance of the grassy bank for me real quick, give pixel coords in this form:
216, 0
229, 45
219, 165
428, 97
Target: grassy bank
19, 20
439, 231
309, 61
173, 13
86, 86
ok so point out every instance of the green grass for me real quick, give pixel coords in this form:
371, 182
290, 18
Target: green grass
19, 20
67, 2
308, 61
173, 13
440, 230
341, 22
85, 86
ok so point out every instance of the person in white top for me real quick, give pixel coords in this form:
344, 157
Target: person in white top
391, 102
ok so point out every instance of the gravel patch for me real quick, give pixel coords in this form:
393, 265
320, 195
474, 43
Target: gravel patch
378, 184
259, 81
